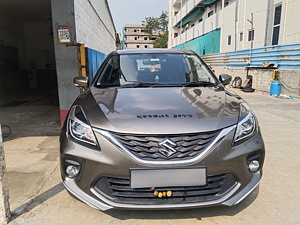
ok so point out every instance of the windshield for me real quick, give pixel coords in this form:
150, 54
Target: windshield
155, 69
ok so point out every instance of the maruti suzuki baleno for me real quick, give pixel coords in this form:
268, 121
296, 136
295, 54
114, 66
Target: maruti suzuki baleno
156, 129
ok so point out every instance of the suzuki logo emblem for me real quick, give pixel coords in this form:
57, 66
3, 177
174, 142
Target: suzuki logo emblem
167, 147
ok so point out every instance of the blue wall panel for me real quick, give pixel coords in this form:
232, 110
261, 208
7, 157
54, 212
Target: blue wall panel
286, 56
95, 59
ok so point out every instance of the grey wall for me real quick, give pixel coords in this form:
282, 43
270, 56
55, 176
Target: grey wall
94, 25
66, 56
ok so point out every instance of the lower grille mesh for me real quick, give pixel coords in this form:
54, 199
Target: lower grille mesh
118, 190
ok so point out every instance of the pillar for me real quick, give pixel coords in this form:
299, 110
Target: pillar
4, 191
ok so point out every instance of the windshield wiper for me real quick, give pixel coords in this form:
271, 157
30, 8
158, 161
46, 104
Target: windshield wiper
198, 83
139, 84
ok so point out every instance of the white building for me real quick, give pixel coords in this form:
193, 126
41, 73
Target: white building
240, 37
134, 36
214, 26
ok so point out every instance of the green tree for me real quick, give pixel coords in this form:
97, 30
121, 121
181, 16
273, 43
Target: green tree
152, 25
160, 25
161, 41
163, 21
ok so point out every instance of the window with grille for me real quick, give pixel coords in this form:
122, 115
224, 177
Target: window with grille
229, 40
251, 35
276, 24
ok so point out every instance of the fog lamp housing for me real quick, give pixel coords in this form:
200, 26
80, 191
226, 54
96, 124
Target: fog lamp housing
254, 166
71, 168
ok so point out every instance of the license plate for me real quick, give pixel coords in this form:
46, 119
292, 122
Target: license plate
147, 178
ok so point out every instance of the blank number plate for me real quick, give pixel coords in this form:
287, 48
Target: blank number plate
144, 178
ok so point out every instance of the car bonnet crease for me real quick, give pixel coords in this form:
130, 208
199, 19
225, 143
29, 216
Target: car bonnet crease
164, 110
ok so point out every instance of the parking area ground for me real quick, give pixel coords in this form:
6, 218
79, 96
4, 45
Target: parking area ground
38, 197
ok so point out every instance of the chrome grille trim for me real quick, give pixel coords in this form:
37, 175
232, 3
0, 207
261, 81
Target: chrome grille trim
200, 157
150, 147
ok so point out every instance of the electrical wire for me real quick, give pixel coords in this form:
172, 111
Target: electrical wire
295, 88
298, 92
6, 131
288, 88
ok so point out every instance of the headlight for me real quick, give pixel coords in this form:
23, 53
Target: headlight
79, 128
247, 123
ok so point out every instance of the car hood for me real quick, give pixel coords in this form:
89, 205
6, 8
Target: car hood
161, 110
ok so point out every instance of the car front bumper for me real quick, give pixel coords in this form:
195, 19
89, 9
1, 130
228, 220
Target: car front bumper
114, 161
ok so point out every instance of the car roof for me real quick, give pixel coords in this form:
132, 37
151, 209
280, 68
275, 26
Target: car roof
153, 50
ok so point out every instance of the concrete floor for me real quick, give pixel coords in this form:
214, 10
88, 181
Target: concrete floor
38, 197
29, 112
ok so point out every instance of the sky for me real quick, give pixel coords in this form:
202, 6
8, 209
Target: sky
135, 11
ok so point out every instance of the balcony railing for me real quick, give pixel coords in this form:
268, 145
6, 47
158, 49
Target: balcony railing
139, 41
185, 9
199, 29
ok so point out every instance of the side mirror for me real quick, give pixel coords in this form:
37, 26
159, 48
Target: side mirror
81, 81
225, 78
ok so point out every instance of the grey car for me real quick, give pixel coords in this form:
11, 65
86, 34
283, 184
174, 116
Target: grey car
156, 129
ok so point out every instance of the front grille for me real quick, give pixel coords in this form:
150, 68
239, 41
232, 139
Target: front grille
147, 147
118, 190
